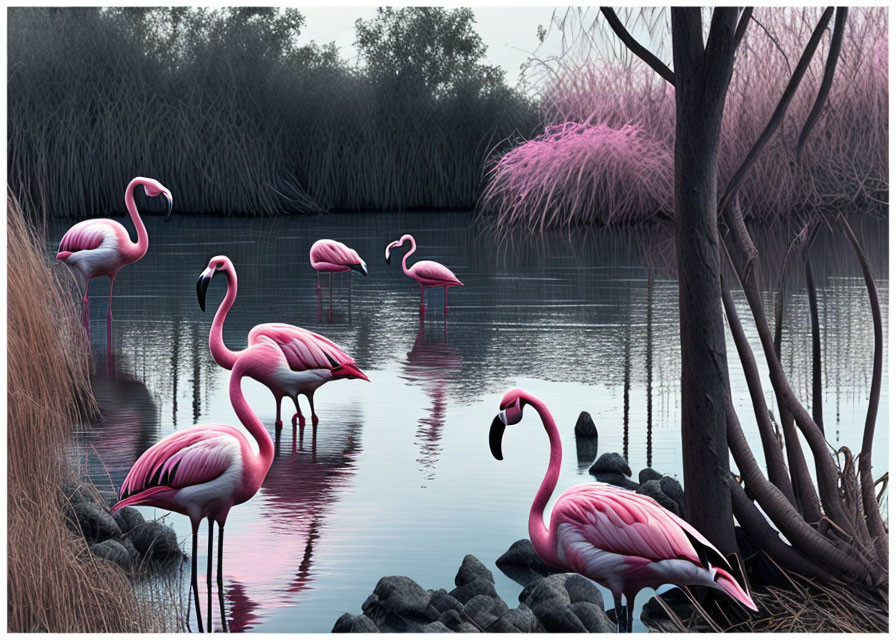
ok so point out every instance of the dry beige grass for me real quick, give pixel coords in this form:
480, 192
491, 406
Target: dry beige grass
54, 582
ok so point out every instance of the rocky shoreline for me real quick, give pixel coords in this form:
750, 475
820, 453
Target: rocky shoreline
125, 539
550, 601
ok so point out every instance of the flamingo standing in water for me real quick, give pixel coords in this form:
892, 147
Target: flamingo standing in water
307, 360
620, 539
427, 273
100, 247
203, 471
331, 256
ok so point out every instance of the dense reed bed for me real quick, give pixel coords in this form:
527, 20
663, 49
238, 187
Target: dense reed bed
54, 583
597, 92
233, 117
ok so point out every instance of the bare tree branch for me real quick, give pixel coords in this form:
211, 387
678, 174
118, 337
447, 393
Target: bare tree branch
872, 511
635, 47
774, 459
825, 88
742, 26
783, 514
778, 115
826, 472
767, 539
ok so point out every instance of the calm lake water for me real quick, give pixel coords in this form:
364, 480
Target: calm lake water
401, 481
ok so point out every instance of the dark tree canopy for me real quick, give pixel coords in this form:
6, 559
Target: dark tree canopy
432, 48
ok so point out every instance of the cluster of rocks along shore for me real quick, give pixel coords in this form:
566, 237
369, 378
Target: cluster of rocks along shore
550, 601
561, 602
125, 539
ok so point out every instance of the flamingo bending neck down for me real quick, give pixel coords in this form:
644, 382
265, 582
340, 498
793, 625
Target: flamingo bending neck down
332, 256
101, 247
427, 273
301, 362
620, 539
203, 471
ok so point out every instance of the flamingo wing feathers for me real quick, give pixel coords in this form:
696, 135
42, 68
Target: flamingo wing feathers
303, 349
86, 235
434, 271
182, 459
629, 524
334, 252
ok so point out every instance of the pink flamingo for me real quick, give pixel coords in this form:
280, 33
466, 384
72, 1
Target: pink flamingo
308, 360
427, 273
100, 247
331, 256
620, 539
203, 471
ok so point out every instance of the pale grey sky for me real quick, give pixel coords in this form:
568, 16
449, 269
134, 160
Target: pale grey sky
509, 32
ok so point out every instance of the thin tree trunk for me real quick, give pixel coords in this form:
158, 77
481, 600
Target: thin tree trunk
701, 79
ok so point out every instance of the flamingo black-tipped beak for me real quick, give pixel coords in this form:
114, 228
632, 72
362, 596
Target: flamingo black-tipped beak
495, 434
170, 206
360, 268
388, 258
202, 287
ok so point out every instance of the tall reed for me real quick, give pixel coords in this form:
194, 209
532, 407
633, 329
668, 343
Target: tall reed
844, 166
54, 583
231, 127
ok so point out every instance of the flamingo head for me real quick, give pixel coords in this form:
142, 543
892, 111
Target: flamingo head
396, 244
154, 188
511, 412
389, 247
218, 263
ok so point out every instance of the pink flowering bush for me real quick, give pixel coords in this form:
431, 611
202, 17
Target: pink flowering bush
609, 128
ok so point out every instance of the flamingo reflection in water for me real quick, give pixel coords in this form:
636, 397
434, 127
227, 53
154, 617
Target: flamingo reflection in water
273, 561
431, 364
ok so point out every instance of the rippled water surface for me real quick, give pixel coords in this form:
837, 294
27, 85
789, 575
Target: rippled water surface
400, 479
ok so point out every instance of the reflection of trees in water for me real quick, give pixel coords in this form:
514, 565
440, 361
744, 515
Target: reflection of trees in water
431, 364
563, 307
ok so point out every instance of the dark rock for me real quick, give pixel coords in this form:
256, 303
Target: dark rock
114, 552
401, 596
521, 564
519, 620
467, 627
470, 569
585, 426
442, 601
479, 586
672, 488
648, 474
451, 619
592, 617
348, 623
616, 479
155, 542
435, 627
653, 614
128, 518
652, 488
92, 521
77, 492
483, 610
581, 589
610, 463
552, 599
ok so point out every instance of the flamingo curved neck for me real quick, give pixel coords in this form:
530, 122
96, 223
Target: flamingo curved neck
222, 355
258, 464
134, 251
404, 261
543, 538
